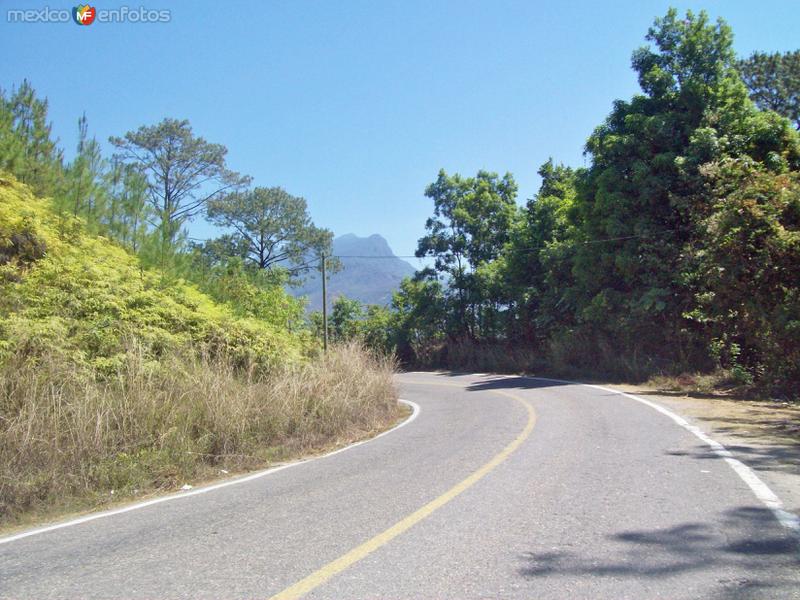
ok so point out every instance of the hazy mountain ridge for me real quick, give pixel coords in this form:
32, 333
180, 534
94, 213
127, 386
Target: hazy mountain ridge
363, 277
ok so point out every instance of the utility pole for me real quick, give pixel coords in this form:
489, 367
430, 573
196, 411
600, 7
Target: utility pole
324, 307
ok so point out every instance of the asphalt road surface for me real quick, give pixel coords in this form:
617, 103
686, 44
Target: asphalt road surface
499, 488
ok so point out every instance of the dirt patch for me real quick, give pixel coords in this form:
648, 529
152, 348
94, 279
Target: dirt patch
762, 420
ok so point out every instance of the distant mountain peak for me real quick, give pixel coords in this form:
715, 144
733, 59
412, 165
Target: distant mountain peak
362, 278
353, 245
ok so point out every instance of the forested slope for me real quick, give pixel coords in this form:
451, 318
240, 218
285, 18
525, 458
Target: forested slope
117, 379
64, 291
674, 251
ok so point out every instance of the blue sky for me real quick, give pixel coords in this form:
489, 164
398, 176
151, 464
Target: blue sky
356, 105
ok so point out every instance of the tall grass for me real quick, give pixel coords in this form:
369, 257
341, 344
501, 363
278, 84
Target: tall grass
69, 440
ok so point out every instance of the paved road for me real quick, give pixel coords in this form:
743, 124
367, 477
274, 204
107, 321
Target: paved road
501, 488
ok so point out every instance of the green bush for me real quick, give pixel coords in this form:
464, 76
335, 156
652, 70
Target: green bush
116, 380
65, 291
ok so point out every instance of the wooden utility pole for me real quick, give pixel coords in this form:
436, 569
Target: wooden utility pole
324, 307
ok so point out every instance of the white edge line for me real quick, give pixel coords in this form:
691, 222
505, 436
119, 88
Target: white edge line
745, 473
415, 410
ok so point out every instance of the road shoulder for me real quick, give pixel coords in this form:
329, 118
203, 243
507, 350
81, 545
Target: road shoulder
763, 434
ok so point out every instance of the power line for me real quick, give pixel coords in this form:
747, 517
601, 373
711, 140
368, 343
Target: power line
365, 256
629, 237
429, 256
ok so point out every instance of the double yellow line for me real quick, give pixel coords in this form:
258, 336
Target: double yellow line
333, 568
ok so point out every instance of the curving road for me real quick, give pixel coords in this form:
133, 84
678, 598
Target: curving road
500, 488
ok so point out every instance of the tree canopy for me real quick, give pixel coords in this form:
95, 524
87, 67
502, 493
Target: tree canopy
183, 171
271, 227
774, 82
674, 249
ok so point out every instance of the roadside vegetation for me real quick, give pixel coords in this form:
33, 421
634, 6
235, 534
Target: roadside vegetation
72, 441
133, 360
674, 252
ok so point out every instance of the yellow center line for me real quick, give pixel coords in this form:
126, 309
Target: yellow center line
317, 578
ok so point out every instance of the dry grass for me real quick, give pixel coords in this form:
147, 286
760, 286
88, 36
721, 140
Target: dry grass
70, 442
718, 383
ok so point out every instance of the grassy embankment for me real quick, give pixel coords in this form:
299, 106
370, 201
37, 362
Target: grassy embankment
115, 383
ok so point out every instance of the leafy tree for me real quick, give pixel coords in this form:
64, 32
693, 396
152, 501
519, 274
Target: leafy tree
351, 320
271, 227
751, 272
472, 221
774, 82
376, 329
535, 263
419, 319
345, 319
183, 172
639, 208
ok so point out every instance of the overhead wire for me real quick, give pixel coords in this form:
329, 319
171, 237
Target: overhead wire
414, 256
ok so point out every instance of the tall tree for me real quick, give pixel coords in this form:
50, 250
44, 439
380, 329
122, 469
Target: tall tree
129, 212
84, 192
270, 227
537, 261
774, 82
28, 149
472, 221
11, 146
183, 171
642, 202
419, 319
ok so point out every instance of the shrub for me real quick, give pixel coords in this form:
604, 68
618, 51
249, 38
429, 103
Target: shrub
116, 378
78, 295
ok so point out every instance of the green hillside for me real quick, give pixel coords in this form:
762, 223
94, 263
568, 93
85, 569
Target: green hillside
117, 380
66, 291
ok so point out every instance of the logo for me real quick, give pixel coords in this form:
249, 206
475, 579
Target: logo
84, 14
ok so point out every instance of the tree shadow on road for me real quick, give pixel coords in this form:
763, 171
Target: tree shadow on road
784, 459
513, 383
774, 455
749, 555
